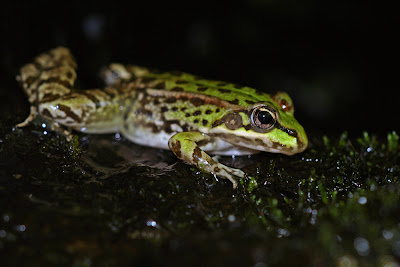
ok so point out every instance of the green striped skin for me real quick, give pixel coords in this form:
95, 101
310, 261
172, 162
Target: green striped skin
179, 111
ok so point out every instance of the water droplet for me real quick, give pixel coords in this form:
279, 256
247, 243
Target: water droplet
151, 223
387, 234
20, 228
362, 200
362, 246
231, 218
283, 232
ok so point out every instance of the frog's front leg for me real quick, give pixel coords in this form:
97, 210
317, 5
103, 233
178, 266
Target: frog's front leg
185, 146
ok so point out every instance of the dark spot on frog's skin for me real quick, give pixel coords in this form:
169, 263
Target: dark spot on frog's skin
167, 126
250, 102
29, 80
197, 101
204, 142
217, 170
153, 127
202, 88
234, 102
66, 83
208, 111
217, 110
183, 109
181, 82
185, 128
177, 89
183, 98
69, 74
174, 109
217, 123
287, 130
69, 113
170, 100
156, 102
110, 93
45, 112
196, 113
160, 85
147, 79
196, 155
65, 97
164, 109
176, 148
247, 127
187, 115
224, 90
196, 121
92, 98
205, 122
50, 97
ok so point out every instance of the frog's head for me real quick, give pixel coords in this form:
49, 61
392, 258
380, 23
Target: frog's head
265, 126
276, 124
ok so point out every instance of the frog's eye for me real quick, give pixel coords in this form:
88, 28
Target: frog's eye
263, 117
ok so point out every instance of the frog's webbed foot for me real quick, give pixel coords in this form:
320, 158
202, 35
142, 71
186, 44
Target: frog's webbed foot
184, 146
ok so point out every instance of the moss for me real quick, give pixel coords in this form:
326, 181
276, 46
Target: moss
104, 200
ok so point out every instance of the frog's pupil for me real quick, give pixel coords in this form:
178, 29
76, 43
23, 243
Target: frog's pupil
265, 117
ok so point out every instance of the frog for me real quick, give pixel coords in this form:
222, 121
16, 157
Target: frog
187, 114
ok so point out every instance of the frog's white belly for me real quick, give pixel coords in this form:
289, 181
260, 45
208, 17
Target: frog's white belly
144, 136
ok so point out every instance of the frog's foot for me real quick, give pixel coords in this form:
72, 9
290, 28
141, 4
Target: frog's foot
184, 146
32, 115
224, 171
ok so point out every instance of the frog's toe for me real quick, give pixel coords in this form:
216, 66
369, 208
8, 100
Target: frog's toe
228, 173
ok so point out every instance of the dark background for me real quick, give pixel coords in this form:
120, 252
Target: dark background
338, 61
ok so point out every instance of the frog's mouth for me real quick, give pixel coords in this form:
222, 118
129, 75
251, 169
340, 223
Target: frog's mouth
247, 144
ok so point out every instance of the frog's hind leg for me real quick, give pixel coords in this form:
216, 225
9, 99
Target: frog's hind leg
50, 76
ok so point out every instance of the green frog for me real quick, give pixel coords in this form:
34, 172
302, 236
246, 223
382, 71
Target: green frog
187, 114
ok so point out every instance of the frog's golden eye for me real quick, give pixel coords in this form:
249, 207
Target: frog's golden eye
263, 117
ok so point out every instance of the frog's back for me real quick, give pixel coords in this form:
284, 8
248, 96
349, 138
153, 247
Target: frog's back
184, 82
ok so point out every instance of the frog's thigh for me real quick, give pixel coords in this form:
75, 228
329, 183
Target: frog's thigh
186, 147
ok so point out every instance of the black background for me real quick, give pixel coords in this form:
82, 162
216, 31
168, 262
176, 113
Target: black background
338, 61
